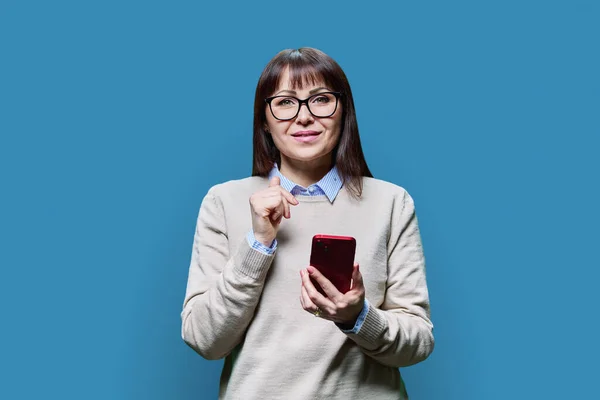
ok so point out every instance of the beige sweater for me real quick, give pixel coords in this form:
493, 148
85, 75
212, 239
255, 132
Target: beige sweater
244, 305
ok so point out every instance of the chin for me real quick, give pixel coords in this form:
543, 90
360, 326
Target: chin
307, 156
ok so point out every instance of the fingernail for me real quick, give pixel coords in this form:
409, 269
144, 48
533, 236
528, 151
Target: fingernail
310, 269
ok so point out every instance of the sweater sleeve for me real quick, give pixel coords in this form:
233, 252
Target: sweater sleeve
399, 333
223, 290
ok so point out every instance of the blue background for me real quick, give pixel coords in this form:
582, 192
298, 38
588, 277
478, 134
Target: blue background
113, 128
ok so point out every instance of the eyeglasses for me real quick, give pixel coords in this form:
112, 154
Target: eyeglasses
320, 105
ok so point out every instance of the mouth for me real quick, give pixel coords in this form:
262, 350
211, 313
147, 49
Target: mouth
305, 136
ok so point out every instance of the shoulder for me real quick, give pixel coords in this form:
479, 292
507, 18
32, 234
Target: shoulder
386, 196
390, 200
380, 189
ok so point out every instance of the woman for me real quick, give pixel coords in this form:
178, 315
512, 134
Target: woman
245, 299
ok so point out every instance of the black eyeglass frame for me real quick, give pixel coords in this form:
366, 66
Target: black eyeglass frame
337, 96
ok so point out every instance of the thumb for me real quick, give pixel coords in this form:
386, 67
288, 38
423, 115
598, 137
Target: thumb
274, 181
357, 281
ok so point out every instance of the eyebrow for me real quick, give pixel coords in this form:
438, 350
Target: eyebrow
309, 92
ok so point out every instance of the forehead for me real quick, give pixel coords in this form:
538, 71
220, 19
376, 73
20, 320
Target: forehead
299, 79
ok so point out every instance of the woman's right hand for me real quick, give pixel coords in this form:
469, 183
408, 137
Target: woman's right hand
268, 207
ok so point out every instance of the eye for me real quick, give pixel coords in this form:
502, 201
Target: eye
321, 99
284, 102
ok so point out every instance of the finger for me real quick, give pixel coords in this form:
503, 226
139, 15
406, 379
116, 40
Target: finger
286, 207
313, 294
306, 303
277, 213
277, 200
289, 197
274, 181
263, 203
357, 280
329, 288
273, 206
278, 190
302, 302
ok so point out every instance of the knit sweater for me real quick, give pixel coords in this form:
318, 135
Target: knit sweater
245, 305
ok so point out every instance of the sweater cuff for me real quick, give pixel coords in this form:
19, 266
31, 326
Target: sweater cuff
371, 330
251, 262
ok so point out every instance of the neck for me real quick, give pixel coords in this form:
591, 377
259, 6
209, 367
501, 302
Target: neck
305, 173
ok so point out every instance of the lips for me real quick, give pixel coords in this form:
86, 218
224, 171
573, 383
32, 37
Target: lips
306, 136
305, 133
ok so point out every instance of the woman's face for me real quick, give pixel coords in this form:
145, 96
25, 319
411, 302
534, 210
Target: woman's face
305, 138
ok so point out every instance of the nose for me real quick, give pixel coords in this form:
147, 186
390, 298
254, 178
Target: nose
304, 116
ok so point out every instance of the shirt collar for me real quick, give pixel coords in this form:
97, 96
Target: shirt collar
330, 184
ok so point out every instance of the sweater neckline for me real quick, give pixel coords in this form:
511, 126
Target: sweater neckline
312, 199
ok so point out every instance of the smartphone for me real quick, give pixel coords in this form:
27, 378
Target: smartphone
333, 256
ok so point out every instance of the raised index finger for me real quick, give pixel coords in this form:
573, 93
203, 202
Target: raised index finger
288, 196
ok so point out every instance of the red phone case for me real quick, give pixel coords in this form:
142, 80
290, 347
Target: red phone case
333, 256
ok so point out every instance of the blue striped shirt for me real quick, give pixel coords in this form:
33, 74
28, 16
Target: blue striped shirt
329, 186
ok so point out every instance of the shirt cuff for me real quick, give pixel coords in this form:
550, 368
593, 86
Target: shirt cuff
255, 244
359, 320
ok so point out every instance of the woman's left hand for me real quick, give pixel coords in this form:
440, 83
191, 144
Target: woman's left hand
342, 308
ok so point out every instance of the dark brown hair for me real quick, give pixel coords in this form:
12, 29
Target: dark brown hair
308, 65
